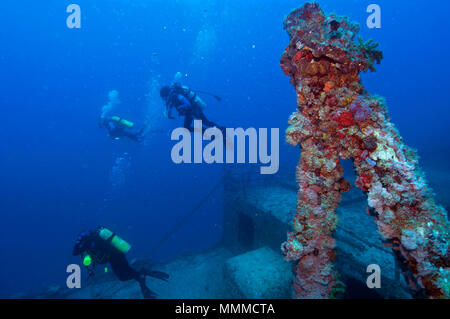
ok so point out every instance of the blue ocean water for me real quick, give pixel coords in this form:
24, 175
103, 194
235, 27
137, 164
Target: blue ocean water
60, 173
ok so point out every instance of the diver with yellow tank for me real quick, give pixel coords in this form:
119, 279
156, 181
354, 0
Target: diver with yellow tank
102, 246
118, 127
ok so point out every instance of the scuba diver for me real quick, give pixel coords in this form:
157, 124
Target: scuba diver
103, 246
118, 127
187, 103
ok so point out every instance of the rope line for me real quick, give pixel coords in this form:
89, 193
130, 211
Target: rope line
185, 218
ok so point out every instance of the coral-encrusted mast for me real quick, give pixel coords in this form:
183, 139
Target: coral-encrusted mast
337, 118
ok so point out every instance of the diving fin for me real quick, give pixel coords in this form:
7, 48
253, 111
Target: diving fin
156, 274
147, 293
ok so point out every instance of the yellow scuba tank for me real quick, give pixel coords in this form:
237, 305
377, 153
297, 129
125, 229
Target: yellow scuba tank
116, 241
122, 121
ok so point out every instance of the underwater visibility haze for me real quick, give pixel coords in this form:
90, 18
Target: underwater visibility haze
207, 225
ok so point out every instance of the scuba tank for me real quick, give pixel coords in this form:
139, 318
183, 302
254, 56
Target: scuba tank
189, 94
122, 121
115, 240
177, 78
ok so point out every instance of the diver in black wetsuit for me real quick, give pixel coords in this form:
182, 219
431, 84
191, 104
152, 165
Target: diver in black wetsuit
102, 246
187, 103
118, 127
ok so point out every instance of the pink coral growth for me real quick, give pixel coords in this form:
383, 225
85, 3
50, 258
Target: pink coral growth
360, 109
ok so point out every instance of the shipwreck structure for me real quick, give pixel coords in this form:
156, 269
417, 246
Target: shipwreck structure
338, 119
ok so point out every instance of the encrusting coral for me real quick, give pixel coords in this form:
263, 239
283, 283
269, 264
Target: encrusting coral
337, 119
